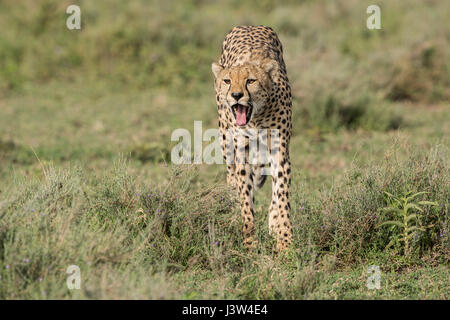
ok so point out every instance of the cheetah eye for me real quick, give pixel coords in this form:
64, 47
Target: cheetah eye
227, 81
250, 81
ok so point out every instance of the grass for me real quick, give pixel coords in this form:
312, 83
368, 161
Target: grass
85, 173
182, 231
411, 224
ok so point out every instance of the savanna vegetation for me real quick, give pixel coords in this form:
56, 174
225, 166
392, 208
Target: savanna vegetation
86, 118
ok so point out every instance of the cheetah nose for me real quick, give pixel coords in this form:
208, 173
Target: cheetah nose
237, 95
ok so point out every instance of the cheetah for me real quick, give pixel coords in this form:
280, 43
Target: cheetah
253, 92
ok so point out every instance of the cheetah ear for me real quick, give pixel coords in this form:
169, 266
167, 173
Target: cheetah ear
216, 68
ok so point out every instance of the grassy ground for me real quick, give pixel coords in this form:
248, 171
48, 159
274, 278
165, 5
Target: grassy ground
85, 175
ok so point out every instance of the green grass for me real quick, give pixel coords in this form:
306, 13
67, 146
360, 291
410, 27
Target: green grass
85, 175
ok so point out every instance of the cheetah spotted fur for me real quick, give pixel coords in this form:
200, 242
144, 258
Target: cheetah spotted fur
253, 92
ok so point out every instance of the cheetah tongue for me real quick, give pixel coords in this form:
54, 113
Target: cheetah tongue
241, 115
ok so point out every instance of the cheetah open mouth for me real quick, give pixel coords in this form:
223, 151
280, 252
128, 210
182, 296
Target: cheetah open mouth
242, 113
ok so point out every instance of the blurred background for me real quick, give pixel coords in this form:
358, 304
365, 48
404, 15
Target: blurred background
371, 113
139, 69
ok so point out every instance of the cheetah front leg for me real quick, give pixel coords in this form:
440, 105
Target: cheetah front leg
246, 192
279, 222
240, 176
228, 157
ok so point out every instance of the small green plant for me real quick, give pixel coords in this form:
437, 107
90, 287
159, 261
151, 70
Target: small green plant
407, 217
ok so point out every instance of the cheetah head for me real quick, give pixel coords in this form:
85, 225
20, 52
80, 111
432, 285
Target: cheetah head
244, 89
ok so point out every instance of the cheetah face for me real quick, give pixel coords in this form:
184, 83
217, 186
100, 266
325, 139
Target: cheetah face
244, 89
